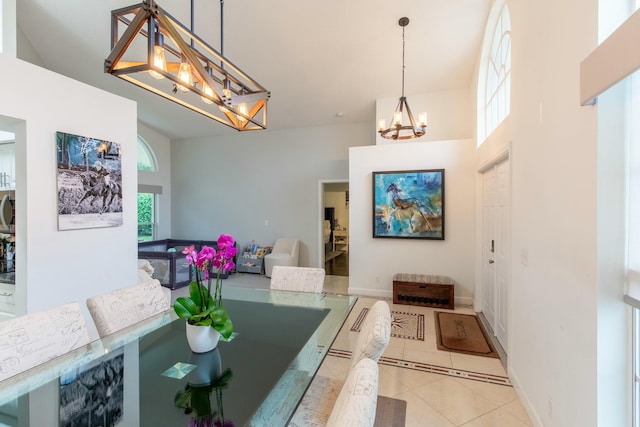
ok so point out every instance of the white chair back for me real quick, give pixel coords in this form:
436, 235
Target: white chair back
285, 252
374, 334
32, 339
286, 245
358, 398
301, 279
124, 307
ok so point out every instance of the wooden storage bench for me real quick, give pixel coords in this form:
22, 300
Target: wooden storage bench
424, 290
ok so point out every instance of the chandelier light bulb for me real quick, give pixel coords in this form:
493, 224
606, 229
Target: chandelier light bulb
422, 119
159, 58
185, 76
242, 108
397, 118
226, 89
207, 91
382, 124
159, 61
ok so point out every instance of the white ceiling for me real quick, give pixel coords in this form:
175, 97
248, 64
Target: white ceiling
318, 58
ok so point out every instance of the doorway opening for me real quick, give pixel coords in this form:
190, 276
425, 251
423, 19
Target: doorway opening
334, 217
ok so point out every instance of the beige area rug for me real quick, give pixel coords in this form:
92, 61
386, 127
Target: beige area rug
462, 333
409, 326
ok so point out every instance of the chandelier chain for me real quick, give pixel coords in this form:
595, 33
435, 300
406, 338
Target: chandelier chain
403, 62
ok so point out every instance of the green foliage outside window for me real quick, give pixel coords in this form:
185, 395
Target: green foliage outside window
145, 216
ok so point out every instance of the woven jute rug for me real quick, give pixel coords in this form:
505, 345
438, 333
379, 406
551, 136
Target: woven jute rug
462, 333
409, 326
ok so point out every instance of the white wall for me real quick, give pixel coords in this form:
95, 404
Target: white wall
373, 262
553, 316
54, 267
161, 147
237, 184
8, 27
248, 179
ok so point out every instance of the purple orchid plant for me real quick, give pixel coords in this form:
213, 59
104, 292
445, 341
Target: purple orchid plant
200, 307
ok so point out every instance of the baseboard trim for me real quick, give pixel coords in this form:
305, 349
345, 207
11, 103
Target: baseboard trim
380, 293
526, 403
367, 292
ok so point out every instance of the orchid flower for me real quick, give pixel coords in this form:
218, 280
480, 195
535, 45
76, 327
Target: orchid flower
201, 308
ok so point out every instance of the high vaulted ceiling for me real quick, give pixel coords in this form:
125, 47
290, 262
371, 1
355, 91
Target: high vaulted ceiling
318, 58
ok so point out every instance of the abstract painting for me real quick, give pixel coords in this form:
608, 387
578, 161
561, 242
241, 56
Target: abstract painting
89, 182
409, 204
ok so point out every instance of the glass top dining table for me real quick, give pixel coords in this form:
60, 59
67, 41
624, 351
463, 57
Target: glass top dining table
146, 375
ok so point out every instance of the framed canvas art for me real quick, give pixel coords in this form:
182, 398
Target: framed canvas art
89, 182
409, 204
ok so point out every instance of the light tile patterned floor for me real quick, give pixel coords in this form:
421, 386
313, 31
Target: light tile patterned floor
436, 384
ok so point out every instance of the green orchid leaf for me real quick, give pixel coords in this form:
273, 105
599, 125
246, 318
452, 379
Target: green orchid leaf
223, 380
195, 293
182, 399
201, 318
225, 329
185, 307
200, 401
219, 315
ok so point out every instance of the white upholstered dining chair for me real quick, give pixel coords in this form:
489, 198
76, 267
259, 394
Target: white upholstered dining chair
358, 398
124, 307
301, 279
33, 339
324, 392
374, 335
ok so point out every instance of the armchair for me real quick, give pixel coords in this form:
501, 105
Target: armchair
285, 252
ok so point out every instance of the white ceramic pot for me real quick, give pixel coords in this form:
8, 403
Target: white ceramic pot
202, 338
208, 368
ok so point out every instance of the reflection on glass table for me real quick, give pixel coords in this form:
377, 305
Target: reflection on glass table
258, 378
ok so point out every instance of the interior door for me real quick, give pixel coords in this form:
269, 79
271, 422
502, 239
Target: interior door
488, 246
496, 238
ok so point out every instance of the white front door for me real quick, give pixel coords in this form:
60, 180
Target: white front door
495, 250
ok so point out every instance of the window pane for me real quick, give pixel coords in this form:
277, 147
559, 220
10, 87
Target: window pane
497, 104
146, 160
146, 217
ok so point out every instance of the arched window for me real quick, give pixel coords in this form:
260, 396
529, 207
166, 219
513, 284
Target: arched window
494, 84
147, 194
146, 158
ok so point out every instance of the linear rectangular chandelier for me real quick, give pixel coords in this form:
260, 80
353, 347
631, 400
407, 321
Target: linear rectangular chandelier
154, 51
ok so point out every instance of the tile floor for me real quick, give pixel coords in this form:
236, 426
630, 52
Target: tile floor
444, 399
436, 384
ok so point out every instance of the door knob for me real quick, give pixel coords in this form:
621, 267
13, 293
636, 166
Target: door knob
491, 261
